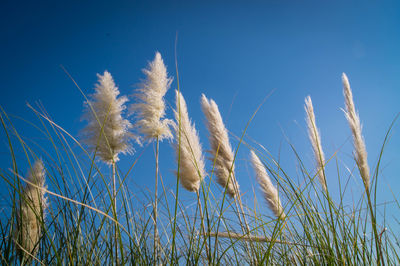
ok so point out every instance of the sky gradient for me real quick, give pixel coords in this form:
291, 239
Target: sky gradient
234, 53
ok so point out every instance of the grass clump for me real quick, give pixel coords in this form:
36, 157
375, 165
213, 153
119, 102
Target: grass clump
94, 217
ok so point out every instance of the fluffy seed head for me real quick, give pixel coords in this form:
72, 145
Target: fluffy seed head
31, 212
151, 107
191, 164
270, 192
221, 150
107, 131
315, 139
354, 122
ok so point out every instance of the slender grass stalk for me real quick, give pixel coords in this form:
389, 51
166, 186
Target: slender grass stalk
315, 139
360, 156
107, 131
115, 209
236, 152
189, 153
156, 237
252, 238
179, 140
222, 156
202, 225
150, 111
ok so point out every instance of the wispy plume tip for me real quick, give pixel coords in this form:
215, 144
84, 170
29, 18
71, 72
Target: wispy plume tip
107, 132
150, 110
356, 130
187, 146
33, 205
315, 139
221, 152
269, 191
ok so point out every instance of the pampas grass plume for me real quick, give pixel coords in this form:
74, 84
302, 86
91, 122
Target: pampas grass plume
151, 107
355, 126
315, 139
30, 216
270, 192
107, 131
149, 112
191, 171
221, 149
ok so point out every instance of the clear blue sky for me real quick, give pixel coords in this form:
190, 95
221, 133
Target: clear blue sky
235, 52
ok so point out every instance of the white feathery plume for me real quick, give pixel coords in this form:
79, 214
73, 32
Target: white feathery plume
149, 112
31, 211
270, 192
355, 126
191, 165
107, 131
151, 107
221, 150
315, 139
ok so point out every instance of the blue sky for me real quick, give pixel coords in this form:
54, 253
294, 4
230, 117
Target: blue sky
235, 52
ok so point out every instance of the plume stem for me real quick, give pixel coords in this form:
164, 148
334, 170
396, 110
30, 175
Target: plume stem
156, 238
202, 224
223, 157
240, 210
361, 157
115, 209
178, 155
254, 238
